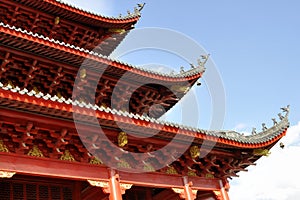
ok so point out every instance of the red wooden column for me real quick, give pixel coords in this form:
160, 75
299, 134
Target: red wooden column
223, 192
187, 189
114, 186
186, 192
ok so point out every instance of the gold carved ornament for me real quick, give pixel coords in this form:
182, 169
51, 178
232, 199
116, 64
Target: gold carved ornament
35, 151
67, 156
179, 191
105, 185
36, 90
191, 173
178, 88
209, 175
182, 194
96, 161
148, 168
124, 187
6, 174
117, 30
3, 147
10, 84
82, 73
194, 152
261, 152
56, 20
102, 184
122, 139
124, 164
171, 170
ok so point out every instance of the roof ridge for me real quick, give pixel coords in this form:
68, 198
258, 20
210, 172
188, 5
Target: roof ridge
136, 13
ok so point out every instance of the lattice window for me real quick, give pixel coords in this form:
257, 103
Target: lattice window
5, 190
20, 190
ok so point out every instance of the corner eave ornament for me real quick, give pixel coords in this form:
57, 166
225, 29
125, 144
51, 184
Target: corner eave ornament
202, 61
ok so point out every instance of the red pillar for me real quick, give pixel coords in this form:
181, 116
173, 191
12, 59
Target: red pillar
187, 189
224, 194
114, 186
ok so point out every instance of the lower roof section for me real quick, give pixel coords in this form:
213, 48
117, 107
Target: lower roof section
58, 107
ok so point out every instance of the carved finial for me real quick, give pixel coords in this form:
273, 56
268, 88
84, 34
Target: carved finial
181, 69
192, 66
281, 145
202, 60
141, 6
253, 131
274, 121
286, 109
128, 12
280, 116
264, 127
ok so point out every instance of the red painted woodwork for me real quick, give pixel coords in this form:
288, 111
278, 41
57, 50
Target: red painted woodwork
97, 38
41, 144
22, 187
133, 122
52, 77
114, 186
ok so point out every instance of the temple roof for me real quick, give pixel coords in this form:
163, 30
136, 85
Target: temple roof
51, 45
72, 12
229, 138
66, 59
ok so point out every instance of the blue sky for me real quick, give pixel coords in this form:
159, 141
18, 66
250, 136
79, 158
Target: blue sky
255, 46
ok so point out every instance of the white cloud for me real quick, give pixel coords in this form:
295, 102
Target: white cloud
275, 177
240, 126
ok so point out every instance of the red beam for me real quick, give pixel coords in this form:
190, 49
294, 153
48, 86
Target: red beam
167, 181
45, 167
51, 168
